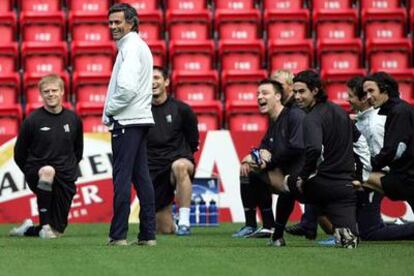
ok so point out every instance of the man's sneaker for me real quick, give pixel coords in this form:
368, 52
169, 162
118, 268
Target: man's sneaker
261, 233
345, 238
331, 241
183, 230
244, 232
299, 230
277, 243
144, 242
47, 233
112, 242
20, 230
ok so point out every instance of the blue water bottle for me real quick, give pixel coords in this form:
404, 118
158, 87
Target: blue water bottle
202, 215
193, 213
212, 213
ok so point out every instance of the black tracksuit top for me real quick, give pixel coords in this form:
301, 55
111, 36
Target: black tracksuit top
50, 139
399, 128
175, 134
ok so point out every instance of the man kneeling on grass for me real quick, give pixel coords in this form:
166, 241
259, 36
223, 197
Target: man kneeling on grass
48, 150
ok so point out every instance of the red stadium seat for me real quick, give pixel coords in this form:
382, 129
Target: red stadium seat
339, 54
294, 56
238, 25
44, 6
283, 4
209, 114
187, 5
151, 25
142, 5
43, 27
384, 54
38, 57
31, 90
6, 5
246, 56
195, 86
10, 118
238, 5
331, 4
186, 25
92, 6
380, 4
384, 23
90, 87
93, 57
335, 84
405, 79
192, 55
8, 57
9, 89
336, 24
241, 86
287, 24
159, 52
89, 27
7, 27
91, 115
245, 117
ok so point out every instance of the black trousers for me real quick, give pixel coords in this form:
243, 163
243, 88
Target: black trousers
334, 198
129, 148
62, 195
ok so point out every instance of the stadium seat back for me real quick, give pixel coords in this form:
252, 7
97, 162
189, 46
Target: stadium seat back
187, 5
340, 60
9, 125
244, 61
207, 122
151, 25
380, 4
290, 61
8, 95
142, 5
6, 5
248, 122
336, 30
40, 6
93, 123
187, 25
47, 28
385, 30
7, 27
89, 28
389, 60
44, 63
282, 4
91, 6
331, 4
192, 62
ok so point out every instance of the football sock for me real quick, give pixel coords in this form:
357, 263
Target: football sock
265, 204
184, 216
249, 201
284, 208
44, 200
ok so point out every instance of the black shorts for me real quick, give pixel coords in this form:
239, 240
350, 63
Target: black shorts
62, 195
163, 188
398, 186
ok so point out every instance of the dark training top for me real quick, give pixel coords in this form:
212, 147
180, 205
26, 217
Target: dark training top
399, 128
328, 132
175, 134
284, 140
50, 139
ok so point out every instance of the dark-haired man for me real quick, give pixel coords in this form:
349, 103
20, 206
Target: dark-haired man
325, 178
398, 150
127, 113
281, 149
172, 143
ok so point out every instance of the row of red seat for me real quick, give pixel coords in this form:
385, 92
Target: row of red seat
203, 55
239, 25
196, 5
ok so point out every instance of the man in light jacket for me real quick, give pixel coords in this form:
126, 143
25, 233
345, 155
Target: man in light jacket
128, 115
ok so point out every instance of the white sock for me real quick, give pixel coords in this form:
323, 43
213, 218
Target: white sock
184, 216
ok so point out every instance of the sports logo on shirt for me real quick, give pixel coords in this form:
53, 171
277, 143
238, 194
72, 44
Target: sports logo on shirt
168, 118
45, 128
66, 127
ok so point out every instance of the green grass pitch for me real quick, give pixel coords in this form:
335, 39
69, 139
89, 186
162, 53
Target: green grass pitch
209, 251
